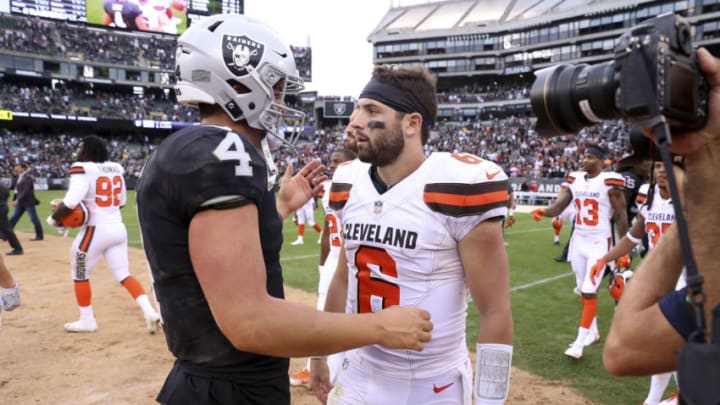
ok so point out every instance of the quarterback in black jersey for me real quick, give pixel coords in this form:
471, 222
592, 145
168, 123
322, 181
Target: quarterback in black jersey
212, 228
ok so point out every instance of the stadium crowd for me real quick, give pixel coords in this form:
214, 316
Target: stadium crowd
510, 142
36, 36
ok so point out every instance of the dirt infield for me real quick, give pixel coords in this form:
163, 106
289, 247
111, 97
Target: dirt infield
120, 364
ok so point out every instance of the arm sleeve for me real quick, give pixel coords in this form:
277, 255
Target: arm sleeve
679, 312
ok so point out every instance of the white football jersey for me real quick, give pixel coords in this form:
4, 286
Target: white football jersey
593, 211
402, 248
334, 234
658, 217
101, 186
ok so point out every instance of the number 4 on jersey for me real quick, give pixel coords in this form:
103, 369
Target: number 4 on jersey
232, 148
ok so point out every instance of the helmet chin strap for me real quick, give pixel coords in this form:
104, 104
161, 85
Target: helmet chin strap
273, 141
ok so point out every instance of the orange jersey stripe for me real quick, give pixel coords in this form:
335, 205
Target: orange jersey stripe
87, 239
570, 179
465, 200
339, 194
641, 198
615, 182
457, 199
77, 170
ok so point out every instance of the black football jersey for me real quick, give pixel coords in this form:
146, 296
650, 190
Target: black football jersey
632, 185
191, 167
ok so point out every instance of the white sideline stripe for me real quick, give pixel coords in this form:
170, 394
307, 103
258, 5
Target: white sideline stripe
284, 259
528, 231
542, 281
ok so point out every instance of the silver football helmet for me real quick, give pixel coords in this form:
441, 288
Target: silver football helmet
219, 52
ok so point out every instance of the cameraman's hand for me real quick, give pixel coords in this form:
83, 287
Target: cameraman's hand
690, 142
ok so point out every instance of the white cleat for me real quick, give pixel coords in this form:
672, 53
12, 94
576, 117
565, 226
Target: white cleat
297, 242
591, 338
10, 298
575, 351
153, 323
82, 326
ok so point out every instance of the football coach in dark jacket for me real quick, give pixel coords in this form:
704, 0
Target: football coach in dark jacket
25, 200
6, 231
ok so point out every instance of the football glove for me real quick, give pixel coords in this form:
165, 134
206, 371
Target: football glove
509, 221
597, 270
623, 262
557, 223
538, 214
58, 227
618, 282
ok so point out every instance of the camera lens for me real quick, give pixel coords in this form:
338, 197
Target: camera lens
566, 98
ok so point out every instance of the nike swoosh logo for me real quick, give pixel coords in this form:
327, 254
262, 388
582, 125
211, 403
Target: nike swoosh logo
281, 54
490, 176
442, 388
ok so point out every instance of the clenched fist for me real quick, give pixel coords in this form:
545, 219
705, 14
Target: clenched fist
404, 327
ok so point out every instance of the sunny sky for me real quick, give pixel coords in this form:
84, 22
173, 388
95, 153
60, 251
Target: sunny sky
337, 31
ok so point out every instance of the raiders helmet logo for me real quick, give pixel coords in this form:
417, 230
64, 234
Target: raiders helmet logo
241, 52
339, 108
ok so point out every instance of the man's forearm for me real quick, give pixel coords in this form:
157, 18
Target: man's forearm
702, 192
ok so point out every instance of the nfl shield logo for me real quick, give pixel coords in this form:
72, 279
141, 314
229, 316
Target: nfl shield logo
377, 208
339, 108
241, 52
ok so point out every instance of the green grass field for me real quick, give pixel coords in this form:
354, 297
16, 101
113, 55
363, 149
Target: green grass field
545, 310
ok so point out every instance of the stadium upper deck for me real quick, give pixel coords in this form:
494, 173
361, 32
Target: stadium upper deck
475, 43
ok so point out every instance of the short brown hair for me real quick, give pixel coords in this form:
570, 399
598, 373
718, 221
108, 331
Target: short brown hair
419, 81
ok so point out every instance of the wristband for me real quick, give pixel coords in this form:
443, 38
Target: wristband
633, 239
492, 373
511, 212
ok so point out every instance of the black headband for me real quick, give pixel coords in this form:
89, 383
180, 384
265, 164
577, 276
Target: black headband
395, 97
596, 151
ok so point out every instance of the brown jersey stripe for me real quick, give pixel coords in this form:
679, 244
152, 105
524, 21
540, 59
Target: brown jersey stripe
77, 170
465, 200
464, 189
339, 194
615, 182
463, 211
87, 238
458, 200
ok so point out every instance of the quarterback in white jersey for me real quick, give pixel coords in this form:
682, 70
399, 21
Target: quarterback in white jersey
598, 198
655, 215
419, 231
100, 185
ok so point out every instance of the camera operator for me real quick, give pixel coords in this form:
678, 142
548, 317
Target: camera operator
652, 322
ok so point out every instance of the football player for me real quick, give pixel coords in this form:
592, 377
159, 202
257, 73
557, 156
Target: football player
306, 214
598, 198
100, 185
212, 228
655, 216
419, 231
330, 243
